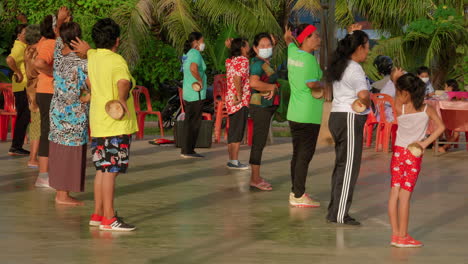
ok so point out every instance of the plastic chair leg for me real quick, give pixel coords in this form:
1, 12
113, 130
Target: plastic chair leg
386, 140
161, 126
378, 137
3, 128
141, 126
368, 131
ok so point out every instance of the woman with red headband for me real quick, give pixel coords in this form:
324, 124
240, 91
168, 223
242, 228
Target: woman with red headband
305, 108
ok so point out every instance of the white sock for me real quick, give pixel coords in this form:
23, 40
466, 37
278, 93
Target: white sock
44, 175
235, 162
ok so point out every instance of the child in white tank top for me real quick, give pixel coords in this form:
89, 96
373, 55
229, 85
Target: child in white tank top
413, 117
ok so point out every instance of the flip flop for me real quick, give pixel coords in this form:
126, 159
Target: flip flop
263, 186
33, 166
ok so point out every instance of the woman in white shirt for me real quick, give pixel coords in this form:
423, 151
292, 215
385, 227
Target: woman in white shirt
346, 125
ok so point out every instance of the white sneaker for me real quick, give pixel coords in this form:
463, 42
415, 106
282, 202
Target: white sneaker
304, 201
42, 182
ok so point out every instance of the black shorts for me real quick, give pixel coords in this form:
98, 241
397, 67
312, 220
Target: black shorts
237, 123
111, 154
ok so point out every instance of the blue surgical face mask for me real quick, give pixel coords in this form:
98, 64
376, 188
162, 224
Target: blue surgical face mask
265, 53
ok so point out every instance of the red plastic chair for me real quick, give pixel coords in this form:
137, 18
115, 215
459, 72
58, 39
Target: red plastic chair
385, 130
8, 112
206, 116
219, 97
369, 127
141, 115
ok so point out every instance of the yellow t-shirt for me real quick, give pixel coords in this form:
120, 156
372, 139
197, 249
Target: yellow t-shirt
105, 69
17, 53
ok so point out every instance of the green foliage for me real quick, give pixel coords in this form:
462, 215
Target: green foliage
158, 63
438, 40
85, 12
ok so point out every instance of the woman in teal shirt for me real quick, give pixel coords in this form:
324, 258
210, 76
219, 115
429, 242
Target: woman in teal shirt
304, 110
263, 103
194, 68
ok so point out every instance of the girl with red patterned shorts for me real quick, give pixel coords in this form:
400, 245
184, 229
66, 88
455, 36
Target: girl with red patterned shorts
413, 117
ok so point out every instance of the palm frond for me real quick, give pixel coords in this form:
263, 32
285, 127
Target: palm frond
135, 20
176, 17
308, 6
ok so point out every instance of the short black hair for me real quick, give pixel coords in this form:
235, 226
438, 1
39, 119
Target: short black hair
384, 64
105, 33
454, 84
70, 31
47, 29
19, 28
236, 46
423, 69
33, 34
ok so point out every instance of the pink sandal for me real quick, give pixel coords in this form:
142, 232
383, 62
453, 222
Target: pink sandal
263, 186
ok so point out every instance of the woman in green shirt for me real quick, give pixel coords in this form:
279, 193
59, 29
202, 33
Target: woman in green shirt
305, 110
194, 71
263, 103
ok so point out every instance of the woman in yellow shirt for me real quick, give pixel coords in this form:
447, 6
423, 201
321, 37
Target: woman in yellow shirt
16, 63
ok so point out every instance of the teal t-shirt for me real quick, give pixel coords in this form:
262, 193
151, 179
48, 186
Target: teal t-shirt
256, 69
193, 56
302, 69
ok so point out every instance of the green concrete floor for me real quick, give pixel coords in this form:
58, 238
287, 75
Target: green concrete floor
197, 211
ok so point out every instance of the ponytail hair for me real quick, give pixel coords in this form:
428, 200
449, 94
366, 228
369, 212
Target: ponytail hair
256, 41
414, 86
191, 38
346, 47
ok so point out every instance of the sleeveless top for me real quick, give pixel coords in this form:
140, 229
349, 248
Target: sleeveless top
411, 127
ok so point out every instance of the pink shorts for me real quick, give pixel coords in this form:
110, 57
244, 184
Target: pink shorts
405, 168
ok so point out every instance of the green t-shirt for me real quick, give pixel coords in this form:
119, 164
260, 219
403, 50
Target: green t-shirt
302, 69
193, 56
256, 69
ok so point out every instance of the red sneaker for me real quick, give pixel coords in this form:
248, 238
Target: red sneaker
394, 240
408, 242
95, 220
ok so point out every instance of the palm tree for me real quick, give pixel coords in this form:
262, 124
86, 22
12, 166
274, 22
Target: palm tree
177, 18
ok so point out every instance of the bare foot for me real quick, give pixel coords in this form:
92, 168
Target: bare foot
442, 149
69, 201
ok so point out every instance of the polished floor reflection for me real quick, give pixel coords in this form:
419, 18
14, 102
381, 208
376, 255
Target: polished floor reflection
197, 211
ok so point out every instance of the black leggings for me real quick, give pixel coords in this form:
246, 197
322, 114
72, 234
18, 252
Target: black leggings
43, 101
23, 116
192, 123
261, 117
304, 138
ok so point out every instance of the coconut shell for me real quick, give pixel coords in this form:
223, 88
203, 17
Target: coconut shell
415, 149
115, 109
317, 93
358, 107
196, 86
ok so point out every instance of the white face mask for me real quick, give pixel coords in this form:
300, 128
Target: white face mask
265, 53
201, 47
425, 79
